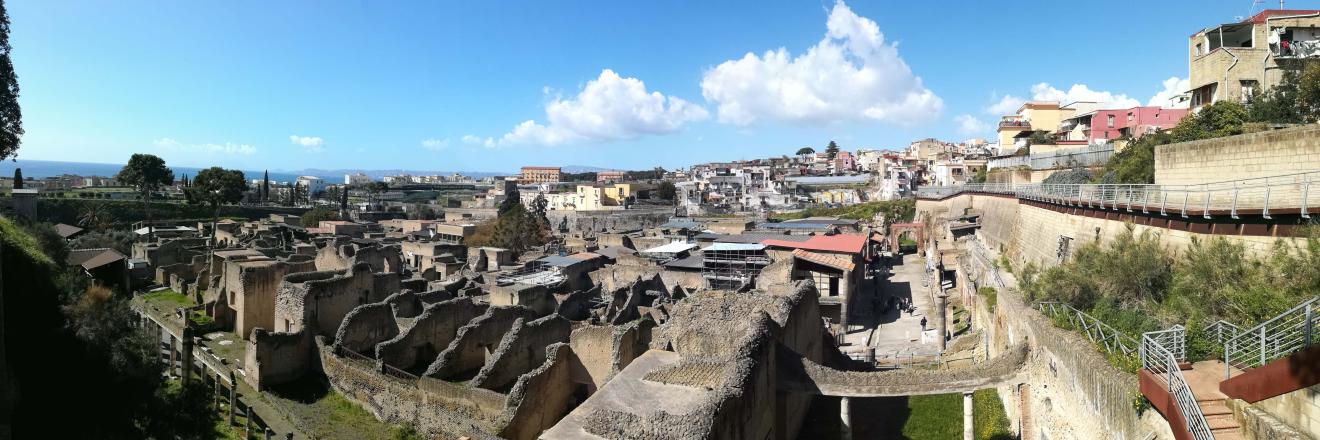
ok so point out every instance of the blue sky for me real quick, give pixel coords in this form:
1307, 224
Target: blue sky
450, 86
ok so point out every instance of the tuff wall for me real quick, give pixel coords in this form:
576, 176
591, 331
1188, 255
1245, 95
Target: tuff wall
1247, 156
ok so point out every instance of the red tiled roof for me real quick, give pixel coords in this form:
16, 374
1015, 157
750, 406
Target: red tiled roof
1260, 17
836, 261
847, 243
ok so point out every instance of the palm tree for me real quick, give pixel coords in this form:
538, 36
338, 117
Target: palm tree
96, 216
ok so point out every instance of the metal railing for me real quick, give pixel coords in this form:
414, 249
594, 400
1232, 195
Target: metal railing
1097, 331
1278, 337
1161, 352
1292, 191
1223, 331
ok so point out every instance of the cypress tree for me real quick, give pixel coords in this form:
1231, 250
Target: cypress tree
265, 187
18, 178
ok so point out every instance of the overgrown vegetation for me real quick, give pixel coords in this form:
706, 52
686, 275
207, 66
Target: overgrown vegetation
118, 240
82, 352
990, 295
314, 217
516, 228
1135, 285
895, 211
989, 421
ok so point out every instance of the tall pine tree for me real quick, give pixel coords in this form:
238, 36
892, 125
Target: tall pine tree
18, 178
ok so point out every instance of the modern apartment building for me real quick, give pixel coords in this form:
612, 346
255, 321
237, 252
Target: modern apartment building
1237, 60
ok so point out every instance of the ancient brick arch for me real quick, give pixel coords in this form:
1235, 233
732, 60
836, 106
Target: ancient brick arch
897, 230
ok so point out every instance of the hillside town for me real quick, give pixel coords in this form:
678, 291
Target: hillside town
1089, 272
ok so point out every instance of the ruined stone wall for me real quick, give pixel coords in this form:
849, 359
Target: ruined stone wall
1071, 390
367, 326
275, 358
999, 216
594, 347
251, 292
434, 407
603, 221
476, 341
432, 332
319, 303
406, 304
1247, 156
341, 255
540, 398
522, 349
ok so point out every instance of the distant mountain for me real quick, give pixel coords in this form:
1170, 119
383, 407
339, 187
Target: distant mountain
377, 174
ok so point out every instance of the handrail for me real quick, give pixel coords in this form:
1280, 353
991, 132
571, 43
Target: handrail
1263, 193
1275, 338
1160, 353
1096, 330
980, 252
1223, 330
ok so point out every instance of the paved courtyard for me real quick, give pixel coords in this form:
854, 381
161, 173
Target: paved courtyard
895, 334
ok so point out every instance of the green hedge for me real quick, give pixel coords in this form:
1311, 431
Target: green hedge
126, 212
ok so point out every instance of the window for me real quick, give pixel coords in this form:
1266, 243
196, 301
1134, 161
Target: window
1129, 116
1111, 121
1249, 87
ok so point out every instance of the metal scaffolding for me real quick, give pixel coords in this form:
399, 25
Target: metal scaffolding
732, 266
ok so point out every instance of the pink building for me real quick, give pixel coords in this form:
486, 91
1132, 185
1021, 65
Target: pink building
844, 161
1107, 125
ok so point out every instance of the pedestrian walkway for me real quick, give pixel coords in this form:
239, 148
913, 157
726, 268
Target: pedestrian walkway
899, 334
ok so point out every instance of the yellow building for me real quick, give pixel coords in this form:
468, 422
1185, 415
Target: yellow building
1237, 60
1032, 116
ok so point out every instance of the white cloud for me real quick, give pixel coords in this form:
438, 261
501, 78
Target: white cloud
1080, 92
477, 140
1173, 86
971, 126
312, 144
225, 148
608, 108
851, 74
1007, 105
434, 144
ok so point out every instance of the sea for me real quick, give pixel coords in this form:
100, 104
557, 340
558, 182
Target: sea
47, 168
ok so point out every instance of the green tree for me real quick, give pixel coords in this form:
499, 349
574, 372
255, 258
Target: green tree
1278, 105
1308, 93
265, 186
119, 240
96, 216
11, 116
313, 218
805, 151
831, 150
18, 178
1223, 118
980, 176
667, 191
216, 186
147, 173
1040, 137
